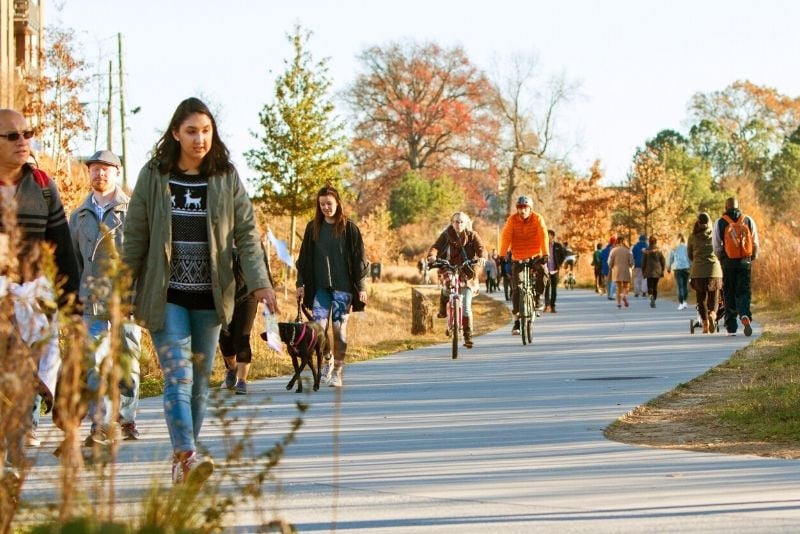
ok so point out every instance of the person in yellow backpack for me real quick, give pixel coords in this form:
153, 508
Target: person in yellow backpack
735, 240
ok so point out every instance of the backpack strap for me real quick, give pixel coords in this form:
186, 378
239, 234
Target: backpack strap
41, 178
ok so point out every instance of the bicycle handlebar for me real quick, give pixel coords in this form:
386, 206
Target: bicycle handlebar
541, 260
442, 263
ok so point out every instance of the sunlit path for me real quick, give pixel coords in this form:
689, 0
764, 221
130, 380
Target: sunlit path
505, 439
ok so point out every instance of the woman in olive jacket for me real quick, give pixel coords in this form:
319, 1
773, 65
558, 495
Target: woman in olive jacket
706, 272
187, 212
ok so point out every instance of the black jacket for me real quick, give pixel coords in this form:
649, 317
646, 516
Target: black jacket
353, 252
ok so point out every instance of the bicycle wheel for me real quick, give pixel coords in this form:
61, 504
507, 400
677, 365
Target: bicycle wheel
456, 326
525, 314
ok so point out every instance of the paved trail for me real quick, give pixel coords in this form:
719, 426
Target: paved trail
505, 439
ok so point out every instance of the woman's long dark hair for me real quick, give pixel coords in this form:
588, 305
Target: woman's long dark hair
168, 150
339, 218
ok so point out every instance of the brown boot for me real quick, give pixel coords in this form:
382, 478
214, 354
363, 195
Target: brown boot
705, 327
442, 306
712, 322
468, 332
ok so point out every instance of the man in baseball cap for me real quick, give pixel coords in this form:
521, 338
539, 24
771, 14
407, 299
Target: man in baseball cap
96, 228
525, 236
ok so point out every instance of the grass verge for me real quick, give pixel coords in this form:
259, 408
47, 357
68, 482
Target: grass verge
746, 405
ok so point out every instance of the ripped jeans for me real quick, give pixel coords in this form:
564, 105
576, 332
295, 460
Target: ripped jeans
186, 347
333, 305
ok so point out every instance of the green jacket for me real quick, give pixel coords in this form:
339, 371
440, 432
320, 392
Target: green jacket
148, 243
701, 252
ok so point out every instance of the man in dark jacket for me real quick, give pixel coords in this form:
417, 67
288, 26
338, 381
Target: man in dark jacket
735, 271
639, 281
40, 219
554, 261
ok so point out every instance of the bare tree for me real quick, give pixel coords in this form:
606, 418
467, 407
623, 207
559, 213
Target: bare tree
527, 109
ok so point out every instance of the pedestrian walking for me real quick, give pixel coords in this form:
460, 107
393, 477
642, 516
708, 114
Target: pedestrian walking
706, 272
188, 210
331, 275
556, 258
653, 265
620, 263
736, 244
679, 262
97, 237
639, 280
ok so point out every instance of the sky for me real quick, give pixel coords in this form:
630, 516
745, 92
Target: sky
637, 62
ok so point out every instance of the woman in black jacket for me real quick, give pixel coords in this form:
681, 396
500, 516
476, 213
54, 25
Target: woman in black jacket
332, 274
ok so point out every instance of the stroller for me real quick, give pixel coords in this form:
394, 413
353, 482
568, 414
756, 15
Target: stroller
697, 322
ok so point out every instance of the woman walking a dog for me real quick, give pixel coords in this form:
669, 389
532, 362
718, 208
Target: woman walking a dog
188, 210
332, 275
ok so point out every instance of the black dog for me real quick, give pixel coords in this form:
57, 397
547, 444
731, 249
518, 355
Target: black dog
303, 340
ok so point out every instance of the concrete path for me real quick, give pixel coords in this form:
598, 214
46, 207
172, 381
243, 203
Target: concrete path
504, 439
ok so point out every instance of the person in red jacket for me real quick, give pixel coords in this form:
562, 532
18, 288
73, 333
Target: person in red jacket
525, 236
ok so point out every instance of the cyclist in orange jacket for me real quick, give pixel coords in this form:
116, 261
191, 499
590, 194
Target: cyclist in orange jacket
525, 236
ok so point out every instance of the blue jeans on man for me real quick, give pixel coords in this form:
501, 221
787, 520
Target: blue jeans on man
98, 328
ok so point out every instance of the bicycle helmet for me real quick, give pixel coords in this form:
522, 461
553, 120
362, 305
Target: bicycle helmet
524, 201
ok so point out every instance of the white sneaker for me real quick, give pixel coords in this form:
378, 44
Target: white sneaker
191, 470
31, 440
336, 377
327, 371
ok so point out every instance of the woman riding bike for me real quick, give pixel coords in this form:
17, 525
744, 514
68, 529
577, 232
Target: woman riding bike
457, 244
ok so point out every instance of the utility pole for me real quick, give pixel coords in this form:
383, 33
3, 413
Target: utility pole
122, 112
108, 107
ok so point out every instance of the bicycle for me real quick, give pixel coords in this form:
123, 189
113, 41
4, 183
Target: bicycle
569, 281
528, 297
455, 309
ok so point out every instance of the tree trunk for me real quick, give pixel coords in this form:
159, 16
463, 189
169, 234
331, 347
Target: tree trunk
421, 312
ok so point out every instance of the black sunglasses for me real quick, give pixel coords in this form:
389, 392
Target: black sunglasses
14, 136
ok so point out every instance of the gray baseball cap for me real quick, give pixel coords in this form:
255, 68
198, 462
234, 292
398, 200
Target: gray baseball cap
104, 156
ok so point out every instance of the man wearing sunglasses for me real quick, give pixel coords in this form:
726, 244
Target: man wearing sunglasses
525, 236
39, 218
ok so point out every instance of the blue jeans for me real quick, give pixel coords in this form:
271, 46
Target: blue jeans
336, 306
98, 328
186, 347
682, 284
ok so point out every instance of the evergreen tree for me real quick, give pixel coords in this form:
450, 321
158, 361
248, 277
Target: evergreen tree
301, 142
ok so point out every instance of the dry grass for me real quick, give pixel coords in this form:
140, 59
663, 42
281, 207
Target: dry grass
384, 328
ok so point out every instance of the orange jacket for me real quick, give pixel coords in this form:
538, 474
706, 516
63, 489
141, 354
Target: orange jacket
525, 238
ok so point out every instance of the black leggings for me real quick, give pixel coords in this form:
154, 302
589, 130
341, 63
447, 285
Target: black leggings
236, 341
652, 287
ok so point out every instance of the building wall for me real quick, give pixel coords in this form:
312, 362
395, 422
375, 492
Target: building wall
21, 28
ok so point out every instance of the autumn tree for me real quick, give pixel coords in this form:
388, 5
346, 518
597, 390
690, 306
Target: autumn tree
694, 186
781, 187
654, 205
380, 240
739, 129
54, 99
419, 107
589, 206
301, 145
527, 108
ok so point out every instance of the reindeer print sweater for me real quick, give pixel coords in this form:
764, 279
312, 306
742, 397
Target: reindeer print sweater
190, 265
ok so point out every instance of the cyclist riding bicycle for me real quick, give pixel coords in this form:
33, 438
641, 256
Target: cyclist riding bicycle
525, 236
457, 244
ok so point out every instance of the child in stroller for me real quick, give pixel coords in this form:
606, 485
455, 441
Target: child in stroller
713, 325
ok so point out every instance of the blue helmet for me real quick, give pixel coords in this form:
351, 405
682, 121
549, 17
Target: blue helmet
524, 201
